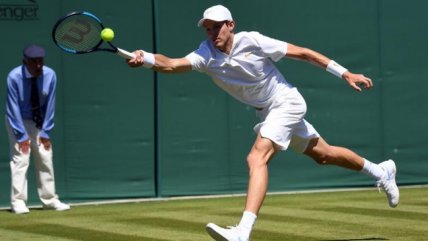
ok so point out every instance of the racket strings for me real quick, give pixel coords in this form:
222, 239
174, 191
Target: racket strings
80, 33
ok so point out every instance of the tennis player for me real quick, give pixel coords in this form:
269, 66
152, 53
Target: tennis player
242, 64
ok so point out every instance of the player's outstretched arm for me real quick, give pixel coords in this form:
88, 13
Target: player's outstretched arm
356, 81
159, 62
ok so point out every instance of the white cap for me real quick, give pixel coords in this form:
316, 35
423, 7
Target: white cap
216, 13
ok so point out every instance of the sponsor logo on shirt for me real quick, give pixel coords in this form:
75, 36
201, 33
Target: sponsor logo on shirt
247, 55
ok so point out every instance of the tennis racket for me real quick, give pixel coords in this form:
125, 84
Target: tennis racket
79, 33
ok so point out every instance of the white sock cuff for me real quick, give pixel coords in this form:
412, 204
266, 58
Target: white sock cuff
247, 221
372, 169
366, 163
250, 214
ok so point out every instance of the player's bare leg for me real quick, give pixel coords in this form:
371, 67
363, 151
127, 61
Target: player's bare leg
384, 173
261, 153
258, 158
319, 150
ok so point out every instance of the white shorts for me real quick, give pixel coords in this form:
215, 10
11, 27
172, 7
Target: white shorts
283, 122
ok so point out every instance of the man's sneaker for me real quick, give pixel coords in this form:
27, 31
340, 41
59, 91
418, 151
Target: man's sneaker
225, 234
20, 209
387, 183
57, 206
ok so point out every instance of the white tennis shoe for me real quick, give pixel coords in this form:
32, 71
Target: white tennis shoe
388, 184
57, 206
225, 234
20, 209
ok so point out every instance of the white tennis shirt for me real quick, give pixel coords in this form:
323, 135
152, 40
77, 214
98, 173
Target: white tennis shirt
247, 73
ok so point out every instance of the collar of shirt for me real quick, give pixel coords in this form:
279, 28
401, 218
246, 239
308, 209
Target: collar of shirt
27, 73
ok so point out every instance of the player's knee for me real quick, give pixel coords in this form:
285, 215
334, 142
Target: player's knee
324, 158
251, 160
322, 154
255, 161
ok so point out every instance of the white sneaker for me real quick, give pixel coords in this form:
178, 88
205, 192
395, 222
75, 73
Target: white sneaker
387, 183
57, 206
20, 209
225, 234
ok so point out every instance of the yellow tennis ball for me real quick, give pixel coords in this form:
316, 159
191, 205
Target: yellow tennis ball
107, 34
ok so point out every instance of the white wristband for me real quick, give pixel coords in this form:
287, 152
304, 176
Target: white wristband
149, 60
336, 68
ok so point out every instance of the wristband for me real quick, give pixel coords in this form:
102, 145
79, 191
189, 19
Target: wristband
149, 60
336, 68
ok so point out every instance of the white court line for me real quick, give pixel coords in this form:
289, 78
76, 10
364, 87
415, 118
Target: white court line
159, 199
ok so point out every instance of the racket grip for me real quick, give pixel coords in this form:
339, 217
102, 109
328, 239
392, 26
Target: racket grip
125, 54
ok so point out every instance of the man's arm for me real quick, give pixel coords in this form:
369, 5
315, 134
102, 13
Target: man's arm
13, 111
161, 63
313, 57
48, 122
14, 116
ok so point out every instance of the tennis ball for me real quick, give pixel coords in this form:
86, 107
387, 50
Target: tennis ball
107, 34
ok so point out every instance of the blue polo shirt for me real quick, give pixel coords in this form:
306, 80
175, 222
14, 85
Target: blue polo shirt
18, 105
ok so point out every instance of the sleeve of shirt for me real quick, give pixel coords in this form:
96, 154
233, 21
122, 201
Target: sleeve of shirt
48, 122
272, 48
199, 58
13, 111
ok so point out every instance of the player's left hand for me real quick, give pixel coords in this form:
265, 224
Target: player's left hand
46, 143
358, 81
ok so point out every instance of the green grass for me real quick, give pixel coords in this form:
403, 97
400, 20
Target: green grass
330, 216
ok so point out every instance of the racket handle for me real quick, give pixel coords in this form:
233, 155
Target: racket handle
125, 54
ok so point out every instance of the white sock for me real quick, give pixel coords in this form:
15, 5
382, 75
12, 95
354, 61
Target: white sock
373, 170
247, 222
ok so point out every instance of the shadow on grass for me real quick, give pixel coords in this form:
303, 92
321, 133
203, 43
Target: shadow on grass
83, 234
354, 239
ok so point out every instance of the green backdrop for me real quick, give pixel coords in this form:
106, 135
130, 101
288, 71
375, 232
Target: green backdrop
131, 133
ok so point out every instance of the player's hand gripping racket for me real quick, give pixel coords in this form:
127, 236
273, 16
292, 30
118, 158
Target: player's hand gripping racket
79, 33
